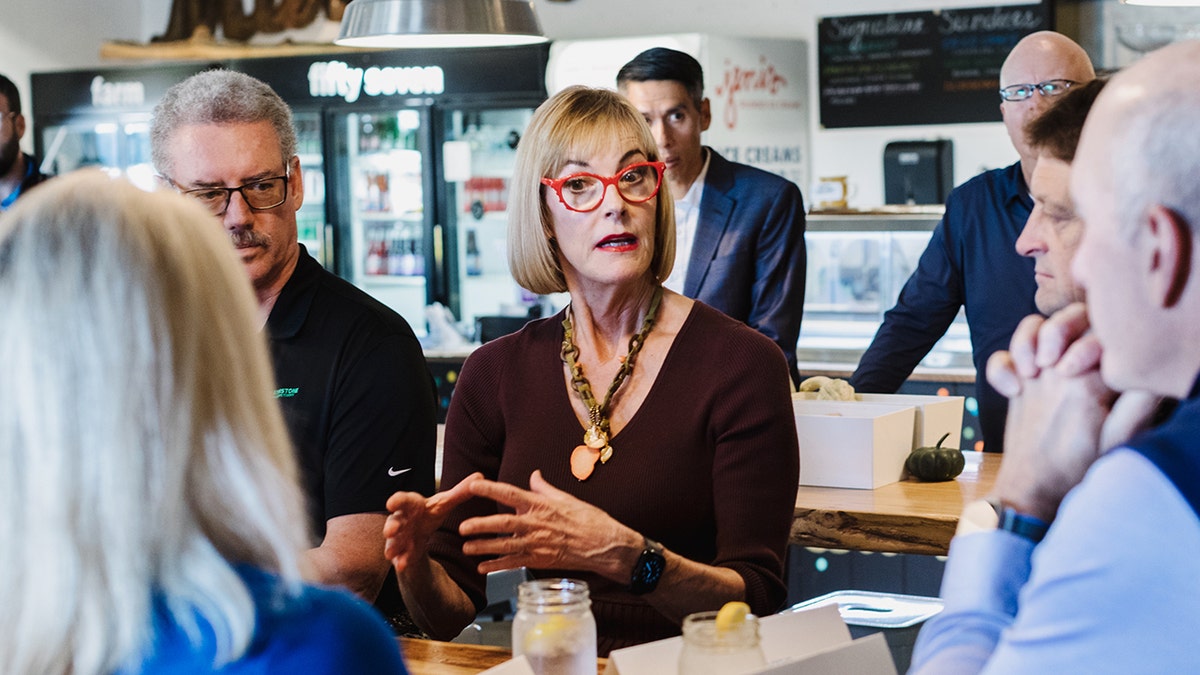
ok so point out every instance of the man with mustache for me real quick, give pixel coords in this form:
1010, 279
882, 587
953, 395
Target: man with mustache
18, 171
351, 377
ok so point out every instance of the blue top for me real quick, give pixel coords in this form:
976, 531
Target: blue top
32, 177
1111, 589
320, 631
971, 261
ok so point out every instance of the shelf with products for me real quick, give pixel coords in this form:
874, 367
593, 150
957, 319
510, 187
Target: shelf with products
394, 248
368, 217
484, 195
386, 132
387, 189
403, 159
394, 280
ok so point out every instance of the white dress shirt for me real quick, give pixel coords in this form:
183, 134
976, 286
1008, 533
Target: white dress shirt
687, 215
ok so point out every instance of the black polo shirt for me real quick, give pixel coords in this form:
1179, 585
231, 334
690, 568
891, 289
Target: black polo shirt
356, 395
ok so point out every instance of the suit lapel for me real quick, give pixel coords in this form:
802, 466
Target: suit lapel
716, 207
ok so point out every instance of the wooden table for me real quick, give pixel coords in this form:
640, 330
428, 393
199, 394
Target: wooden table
905, 517
430, 657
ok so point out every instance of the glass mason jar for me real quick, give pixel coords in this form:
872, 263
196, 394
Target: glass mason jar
554, 627
709, 651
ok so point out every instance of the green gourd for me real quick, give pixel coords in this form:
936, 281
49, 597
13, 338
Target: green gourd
936, 463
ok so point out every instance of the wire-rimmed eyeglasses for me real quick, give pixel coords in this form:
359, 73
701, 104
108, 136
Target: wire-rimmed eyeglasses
637, 183
260, 195
1020, 92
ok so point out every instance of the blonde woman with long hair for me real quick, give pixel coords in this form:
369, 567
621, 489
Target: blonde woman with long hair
149, 507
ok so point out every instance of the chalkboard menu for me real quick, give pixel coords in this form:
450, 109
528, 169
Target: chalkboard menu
933, 67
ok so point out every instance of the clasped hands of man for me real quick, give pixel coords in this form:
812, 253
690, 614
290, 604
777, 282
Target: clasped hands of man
1061, 415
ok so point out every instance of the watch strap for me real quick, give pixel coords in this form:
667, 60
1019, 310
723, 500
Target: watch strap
1029, 527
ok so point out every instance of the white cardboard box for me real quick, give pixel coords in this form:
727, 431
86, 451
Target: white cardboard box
852, 444
936, 415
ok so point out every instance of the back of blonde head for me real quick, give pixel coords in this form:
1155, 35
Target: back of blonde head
141, 452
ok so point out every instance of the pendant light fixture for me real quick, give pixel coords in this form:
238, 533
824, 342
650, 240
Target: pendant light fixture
439, 23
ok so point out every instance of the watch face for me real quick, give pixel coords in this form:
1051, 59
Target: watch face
647, 571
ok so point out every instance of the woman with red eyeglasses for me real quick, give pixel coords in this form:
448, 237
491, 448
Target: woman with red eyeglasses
638, 440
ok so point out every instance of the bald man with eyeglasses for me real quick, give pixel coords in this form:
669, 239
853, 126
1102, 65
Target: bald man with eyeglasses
971, 261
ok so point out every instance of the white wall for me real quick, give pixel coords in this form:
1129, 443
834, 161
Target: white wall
60, 34
43, 35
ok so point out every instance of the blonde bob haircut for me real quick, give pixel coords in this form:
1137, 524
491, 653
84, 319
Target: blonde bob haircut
576, 122
142, 455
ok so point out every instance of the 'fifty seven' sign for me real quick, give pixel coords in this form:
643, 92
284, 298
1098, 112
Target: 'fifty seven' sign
336, 78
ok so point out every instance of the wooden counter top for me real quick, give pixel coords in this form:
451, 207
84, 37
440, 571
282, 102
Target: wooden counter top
430, 657
904, 517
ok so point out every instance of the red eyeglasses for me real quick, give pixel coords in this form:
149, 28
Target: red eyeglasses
637, 183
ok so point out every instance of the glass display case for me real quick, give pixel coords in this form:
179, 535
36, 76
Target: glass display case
857, 264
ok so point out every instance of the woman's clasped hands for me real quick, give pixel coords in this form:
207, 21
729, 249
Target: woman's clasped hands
548, 529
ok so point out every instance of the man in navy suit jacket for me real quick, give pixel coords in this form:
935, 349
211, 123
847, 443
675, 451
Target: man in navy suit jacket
740, 244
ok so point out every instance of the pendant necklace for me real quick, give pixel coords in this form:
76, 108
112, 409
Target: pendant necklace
595, 439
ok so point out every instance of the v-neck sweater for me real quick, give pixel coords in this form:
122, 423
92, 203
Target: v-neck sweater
708, 465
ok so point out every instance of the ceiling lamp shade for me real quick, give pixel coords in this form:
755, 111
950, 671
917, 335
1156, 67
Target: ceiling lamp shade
439, 23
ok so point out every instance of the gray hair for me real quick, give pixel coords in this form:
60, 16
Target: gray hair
142, 455
1156, 157
218, 97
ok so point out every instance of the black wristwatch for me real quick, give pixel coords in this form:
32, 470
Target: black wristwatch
648, 569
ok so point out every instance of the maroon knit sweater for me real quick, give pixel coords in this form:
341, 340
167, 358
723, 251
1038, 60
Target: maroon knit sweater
708, 466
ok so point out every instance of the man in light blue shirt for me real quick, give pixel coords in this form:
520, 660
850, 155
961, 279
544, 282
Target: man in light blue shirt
1112, 585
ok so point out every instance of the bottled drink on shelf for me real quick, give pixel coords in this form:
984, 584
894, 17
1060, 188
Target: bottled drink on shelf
474, 263
408, 259
418, 269
377, 252
396, 247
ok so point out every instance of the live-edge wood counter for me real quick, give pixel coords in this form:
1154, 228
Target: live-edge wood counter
904, 517
430, 657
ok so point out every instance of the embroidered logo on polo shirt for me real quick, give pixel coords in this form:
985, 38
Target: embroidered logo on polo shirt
286, 392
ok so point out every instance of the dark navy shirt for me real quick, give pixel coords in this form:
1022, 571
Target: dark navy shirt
1174, 449
971, 261
32, 178
356, 395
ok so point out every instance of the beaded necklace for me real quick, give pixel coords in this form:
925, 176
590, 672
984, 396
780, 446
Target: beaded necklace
595, 439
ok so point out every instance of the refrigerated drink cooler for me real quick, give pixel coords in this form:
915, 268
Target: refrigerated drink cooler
406, 158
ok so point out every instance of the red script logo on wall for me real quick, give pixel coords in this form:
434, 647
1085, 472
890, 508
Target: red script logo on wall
763, 80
